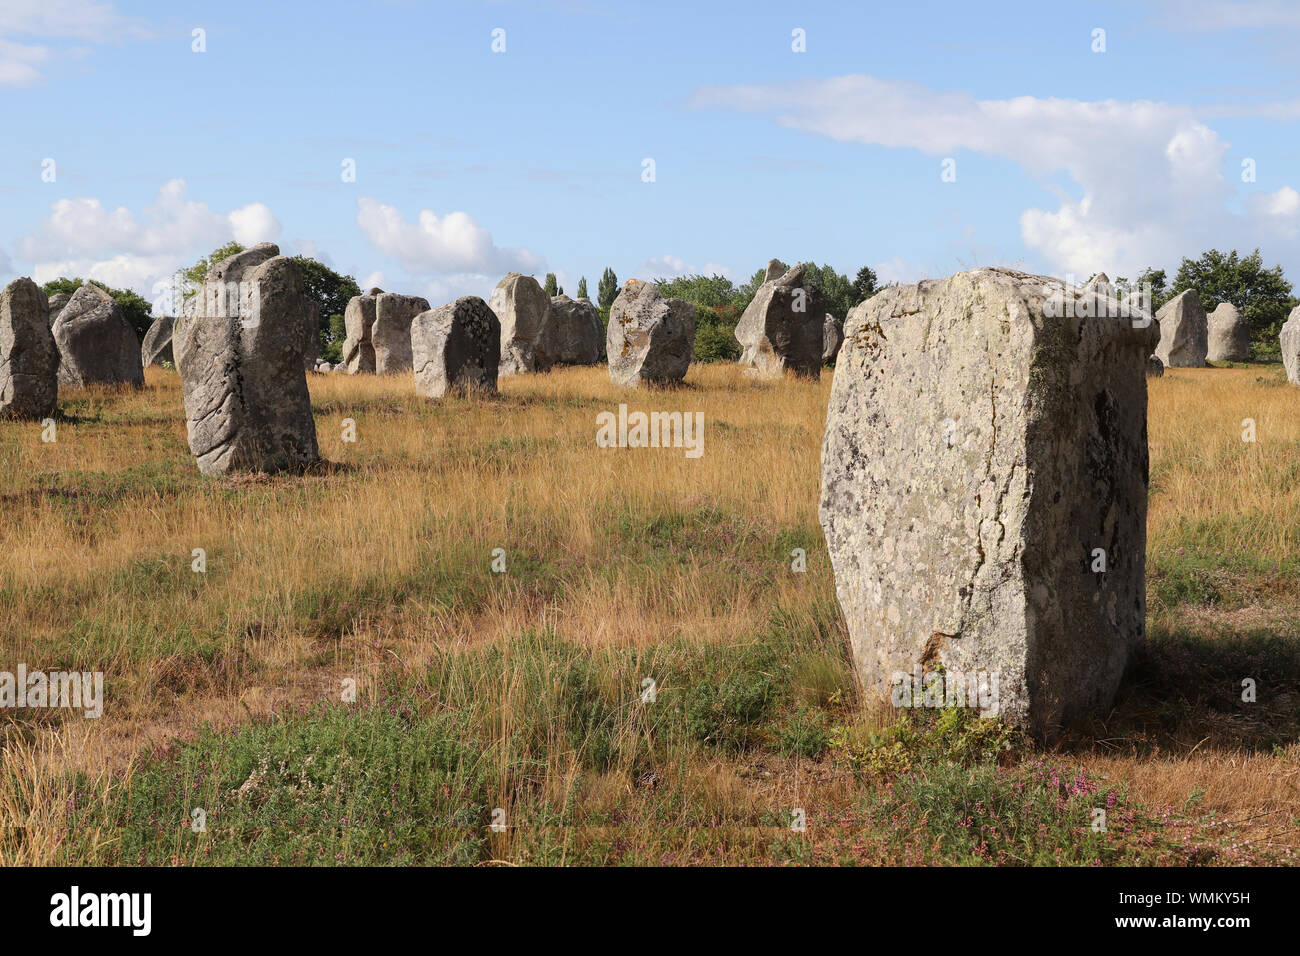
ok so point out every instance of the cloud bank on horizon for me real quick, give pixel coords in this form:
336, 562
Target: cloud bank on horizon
837, 164
1152, 174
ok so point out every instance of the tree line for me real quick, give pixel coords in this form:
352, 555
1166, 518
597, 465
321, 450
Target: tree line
1261, 293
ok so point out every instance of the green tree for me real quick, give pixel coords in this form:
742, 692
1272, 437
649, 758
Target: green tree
137, 310
65, 285
715, 336
838, 294
607, 289
707, 291
864, 284
582, 288
746, 291
716, 313
192, 278
551, 287
331, 292
1262, 295
1152, 280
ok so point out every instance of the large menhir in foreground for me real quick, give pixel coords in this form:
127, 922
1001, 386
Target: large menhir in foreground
984, 490
240, 346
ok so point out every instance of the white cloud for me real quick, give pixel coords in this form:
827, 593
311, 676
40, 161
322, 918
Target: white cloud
309, 248
896, 270
453, 244
18, 63
145, 274
6, 268
88, 21
79, 19
83, 237
1284, 111
1217, 16
1150, 174
254, 223
170, 223
1278, 212
450, 288
669, 266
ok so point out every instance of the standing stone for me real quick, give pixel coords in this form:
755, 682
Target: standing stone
1184, 332
157, 346
775, 269
57, 302
456, 347
650, 338
390, 335
311, 338
572, 334
523, 309
240, 351
1290, 342
359, 322
978, 452
1100, 283
1229, 335
779, 329
29, 359
96, 343
832, 339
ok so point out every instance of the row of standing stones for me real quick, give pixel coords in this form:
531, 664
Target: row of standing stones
980, 444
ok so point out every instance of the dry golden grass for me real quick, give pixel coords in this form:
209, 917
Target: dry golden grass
379, 562
114, 507
1205, 476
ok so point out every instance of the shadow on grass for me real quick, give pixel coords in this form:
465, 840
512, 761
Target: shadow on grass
1235, 690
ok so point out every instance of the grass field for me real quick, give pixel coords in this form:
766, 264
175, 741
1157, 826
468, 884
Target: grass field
517, 698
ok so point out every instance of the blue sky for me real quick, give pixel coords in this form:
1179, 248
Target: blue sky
471, 163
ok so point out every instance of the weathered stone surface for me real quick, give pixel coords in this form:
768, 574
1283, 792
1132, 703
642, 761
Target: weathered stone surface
311, 339
775, 269
96, 343
1100, 283
241, 351
522, 308
359, 323
782, 327
977, 452
57, 302
390, 335
572, 334
157, 345
1155, 367
456, 347
832, 338
1228, 335
1290, 342
234, 269
650, 338
29, 359
1184, 332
